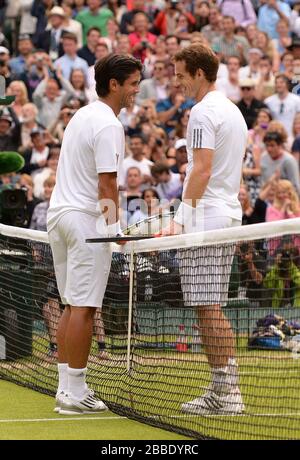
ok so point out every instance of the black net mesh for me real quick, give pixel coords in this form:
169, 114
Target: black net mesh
178, 338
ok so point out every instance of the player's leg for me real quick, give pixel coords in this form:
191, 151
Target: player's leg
99, 333
87, 274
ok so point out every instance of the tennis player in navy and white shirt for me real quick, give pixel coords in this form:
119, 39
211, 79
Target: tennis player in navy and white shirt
216, 143
85, 202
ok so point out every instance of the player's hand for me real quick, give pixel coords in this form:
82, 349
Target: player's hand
172, 229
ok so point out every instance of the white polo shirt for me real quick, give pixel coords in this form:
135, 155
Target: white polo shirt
93, 143
216, 123
284, 110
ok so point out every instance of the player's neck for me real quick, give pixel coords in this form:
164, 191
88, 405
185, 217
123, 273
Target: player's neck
206, 88
114, 105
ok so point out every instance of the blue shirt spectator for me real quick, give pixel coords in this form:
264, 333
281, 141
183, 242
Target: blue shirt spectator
270, 13
70, 60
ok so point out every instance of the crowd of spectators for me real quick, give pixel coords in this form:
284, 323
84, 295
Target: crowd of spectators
47, 52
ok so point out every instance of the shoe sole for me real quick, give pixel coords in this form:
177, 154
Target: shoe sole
79, 412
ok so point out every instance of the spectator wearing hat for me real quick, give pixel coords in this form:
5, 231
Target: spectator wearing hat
50, 95
94, 16
70, 60
269, 15
251, 70
4, 66
50, 39
283, 104
230, 44
248, 104
19, 63
87, 52
242, 11
36, 157
10, 130
180, 155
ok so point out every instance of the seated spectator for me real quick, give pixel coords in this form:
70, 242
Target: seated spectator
184, 28
247, 275
100, 52
156, 87
181, 126
141, 40
251, 171
283, 104
242, 11
10, 130
286, 202
277, 159
94, 16
213, 29
79, 82
287, 66
230, 44
230, 85
132, 194
50, 39
173, 46
25, 182
251, 32
40, 10
283, 281
35, 70
87, 52
4, 66
149, 206
296, 143
47, 171
36, 157
257, 213
269, 15
117, 8
180, 155
18, 64
28, 123
18, 89
168, 184
277, 127
145, 119
165, 21
126, 26
170, 109
71, 25
70, 60
39, 217
284, 40
265, 45
251, 70
159, 55
123, 45
265, 85
112, 35
248, 104
49, 98
57, 128
260, 126
201, 14
137, 159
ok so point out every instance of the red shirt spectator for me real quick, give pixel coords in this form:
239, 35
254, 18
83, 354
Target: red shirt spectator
141, 39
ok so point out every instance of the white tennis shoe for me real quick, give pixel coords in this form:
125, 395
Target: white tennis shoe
89, 404
213, 404
58, 400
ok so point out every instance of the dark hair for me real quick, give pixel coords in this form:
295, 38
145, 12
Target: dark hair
283, 77
199, 57
70, 36
266, 58
92, 29
174, 36
114, 66
159, 168
274, 136
150, 190
138, 136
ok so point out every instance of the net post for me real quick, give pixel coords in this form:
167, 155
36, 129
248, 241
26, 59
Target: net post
130, 303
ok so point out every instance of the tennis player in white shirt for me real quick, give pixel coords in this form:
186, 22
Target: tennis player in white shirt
216, 142
84, 202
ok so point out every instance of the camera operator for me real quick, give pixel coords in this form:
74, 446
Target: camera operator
283, 281
248, 271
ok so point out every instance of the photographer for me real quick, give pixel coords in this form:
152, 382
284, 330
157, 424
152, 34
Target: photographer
141, 40
247, 275
283, 281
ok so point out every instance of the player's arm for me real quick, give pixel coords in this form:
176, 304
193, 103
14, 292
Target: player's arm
108, 197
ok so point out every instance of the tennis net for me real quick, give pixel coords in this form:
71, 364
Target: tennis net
160, 328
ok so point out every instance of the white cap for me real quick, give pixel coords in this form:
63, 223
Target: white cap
180, 143
3, 50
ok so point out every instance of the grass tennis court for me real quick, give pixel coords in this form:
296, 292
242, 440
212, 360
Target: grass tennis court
26, 414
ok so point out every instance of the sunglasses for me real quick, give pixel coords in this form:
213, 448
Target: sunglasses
246, 88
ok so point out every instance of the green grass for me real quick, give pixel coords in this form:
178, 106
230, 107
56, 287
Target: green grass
160, 381
25, 414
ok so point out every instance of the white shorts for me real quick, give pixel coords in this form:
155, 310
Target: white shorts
205, 271
81, 268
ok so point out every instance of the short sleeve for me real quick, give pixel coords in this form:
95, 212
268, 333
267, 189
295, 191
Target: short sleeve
203, 132
108, 149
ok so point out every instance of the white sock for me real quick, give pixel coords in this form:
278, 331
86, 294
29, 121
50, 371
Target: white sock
76, 382
62, 377
225, 378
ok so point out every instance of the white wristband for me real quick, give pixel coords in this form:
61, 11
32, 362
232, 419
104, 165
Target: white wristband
114, 229
184, 213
